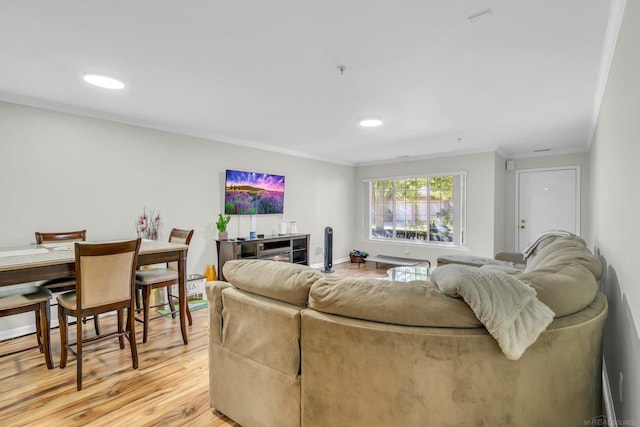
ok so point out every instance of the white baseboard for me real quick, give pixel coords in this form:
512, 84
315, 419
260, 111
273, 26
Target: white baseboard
338, 261
27, 325
26, 329
17, 332
31, 328
607, 398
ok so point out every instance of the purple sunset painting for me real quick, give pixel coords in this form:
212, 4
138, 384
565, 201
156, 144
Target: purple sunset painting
253, 193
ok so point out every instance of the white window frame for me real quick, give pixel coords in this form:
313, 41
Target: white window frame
459, 207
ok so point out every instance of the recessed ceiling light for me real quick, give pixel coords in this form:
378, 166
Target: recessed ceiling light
370, 122
103, 81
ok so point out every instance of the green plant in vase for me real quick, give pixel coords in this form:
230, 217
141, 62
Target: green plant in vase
222, 226
358, 256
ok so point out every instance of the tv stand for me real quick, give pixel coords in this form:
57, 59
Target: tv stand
292, 248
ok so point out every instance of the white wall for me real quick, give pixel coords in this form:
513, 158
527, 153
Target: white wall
60, 171
539, 162
481, 187
615, 204
499, 228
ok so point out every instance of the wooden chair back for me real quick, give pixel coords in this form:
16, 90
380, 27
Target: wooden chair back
182, 237
64, 236
105, 273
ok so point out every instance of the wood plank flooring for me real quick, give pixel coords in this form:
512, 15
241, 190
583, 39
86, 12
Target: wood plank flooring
169, 388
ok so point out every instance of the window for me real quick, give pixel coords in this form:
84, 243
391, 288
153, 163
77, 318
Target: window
424, 209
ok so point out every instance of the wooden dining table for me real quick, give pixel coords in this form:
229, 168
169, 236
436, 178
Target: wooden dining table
33, 263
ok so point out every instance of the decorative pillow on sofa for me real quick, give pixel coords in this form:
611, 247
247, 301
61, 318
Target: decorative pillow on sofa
278, 280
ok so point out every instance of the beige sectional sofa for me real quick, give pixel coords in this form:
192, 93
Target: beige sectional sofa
290, 346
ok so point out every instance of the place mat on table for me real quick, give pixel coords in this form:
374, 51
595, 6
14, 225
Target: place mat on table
22, 252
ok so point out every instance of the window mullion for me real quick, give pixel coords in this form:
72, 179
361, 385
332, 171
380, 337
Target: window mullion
428, 235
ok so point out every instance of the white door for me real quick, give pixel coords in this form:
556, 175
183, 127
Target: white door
547, 199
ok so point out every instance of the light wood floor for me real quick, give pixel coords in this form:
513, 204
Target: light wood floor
169, 388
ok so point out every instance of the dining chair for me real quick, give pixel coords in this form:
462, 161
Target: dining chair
105, 281
161, 277
23, 299
67, 283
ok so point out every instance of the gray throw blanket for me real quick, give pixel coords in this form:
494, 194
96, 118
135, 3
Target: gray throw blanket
507, 307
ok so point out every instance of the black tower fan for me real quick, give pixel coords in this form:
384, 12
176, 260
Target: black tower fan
328, 250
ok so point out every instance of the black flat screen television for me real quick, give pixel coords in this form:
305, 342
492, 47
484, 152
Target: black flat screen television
251, 193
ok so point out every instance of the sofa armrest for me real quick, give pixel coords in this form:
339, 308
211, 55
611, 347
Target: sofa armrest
214, 296
514, 257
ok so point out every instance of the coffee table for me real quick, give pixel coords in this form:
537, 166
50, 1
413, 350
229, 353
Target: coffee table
409, 273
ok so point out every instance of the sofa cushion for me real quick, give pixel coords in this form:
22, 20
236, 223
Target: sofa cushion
414, 303
477, 261
564, 275
566, 251
546, 239
278, 280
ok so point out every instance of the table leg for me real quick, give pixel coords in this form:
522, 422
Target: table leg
182, 297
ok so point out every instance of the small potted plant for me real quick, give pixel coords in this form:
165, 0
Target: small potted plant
222, 226
358, 256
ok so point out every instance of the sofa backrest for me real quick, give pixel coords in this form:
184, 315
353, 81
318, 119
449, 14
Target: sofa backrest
281, 281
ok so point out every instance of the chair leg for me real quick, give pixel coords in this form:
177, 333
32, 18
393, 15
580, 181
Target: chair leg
131, 334
121, 327
96, 324
173, 309
171, 304
189, 314
146, 296
79, 355
62, 322
138, 294
39, 332
44, 331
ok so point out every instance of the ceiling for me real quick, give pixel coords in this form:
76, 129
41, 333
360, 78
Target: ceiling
265, 73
